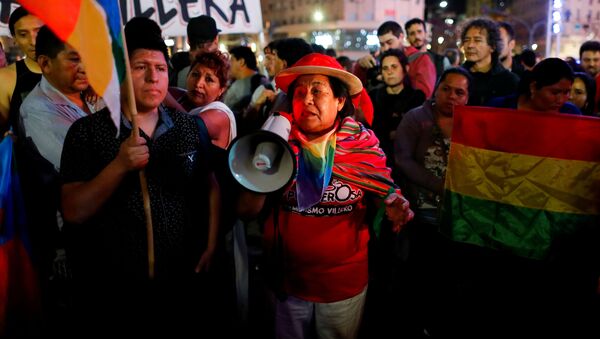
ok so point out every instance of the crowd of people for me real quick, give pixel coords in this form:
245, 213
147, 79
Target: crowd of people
370, 138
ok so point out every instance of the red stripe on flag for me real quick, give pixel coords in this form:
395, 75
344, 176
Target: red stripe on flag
560, 136
62, 25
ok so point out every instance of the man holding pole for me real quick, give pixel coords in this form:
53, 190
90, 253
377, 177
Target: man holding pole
103, 209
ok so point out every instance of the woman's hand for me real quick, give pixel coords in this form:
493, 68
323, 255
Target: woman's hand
397, 210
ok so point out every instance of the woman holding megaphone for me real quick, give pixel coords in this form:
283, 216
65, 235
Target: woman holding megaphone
316, 234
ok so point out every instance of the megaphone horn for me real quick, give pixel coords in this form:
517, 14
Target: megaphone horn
263, 161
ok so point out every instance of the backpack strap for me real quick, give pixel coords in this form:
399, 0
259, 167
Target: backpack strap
203, 134
414, 56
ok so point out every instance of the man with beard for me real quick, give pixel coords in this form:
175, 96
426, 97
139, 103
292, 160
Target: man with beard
416, 31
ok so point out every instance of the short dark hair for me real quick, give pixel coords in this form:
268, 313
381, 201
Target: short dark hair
590, 88
291, 50
47, 43
271, 46
458, 71
144, 33
508, 28
394, 52
590, 45
415, 21
493, 34
15, 16
390, 27
317, 48
528, 57
339, 90
550, 71
244, 52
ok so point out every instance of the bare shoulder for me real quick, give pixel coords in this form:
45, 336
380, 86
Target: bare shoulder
215, 116
8, 81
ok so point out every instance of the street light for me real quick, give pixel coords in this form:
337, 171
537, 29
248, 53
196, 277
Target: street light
318, 16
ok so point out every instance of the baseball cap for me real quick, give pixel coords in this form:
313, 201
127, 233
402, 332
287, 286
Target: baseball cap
202, 29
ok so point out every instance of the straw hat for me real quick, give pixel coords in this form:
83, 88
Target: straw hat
321, 64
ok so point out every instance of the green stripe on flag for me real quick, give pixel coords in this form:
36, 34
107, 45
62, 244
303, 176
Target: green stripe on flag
522, 231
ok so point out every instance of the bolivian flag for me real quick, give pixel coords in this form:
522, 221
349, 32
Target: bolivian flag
518, 181
93, 28
19, 294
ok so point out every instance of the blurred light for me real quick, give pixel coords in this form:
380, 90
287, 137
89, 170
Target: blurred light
253, 47
428, 46
169, 42
363, 32
449, 21
318, 16
556, 28
440, 40
325, 40
222, 48
557, 4
372, 40
556, 16
444, 4
260, 58
534, 46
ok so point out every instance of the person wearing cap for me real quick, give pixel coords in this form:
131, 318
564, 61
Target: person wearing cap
104, 214
317, 232
203, 36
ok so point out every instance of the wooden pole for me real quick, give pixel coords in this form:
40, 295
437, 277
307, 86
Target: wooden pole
131, 113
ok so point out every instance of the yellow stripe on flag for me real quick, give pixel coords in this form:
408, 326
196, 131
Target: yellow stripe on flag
97, 55
566, 186
91, 38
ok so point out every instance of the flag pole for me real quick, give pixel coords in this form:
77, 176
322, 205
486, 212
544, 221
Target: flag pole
131, 114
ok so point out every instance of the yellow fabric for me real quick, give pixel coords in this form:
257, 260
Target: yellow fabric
91, 38
567, 186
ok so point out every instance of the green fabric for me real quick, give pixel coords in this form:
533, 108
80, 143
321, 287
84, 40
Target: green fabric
522, 231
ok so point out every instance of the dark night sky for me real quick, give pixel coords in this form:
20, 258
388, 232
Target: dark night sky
457, 6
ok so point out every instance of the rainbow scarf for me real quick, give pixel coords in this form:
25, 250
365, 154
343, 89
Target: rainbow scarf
350, 153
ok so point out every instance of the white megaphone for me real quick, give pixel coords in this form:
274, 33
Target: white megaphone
263, 161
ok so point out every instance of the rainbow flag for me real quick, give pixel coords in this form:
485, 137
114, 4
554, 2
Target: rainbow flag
19, 293
518, 181
94, 29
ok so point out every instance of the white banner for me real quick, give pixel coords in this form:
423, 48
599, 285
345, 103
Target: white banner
232, 16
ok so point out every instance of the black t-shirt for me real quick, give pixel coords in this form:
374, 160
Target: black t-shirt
112, 243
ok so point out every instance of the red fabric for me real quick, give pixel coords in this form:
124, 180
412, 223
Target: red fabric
359, 159
562, 136
19, 293
363, 102
325, 253
422, 72
597, 97
67, 14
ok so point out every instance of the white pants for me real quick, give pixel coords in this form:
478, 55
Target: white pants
300, 319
